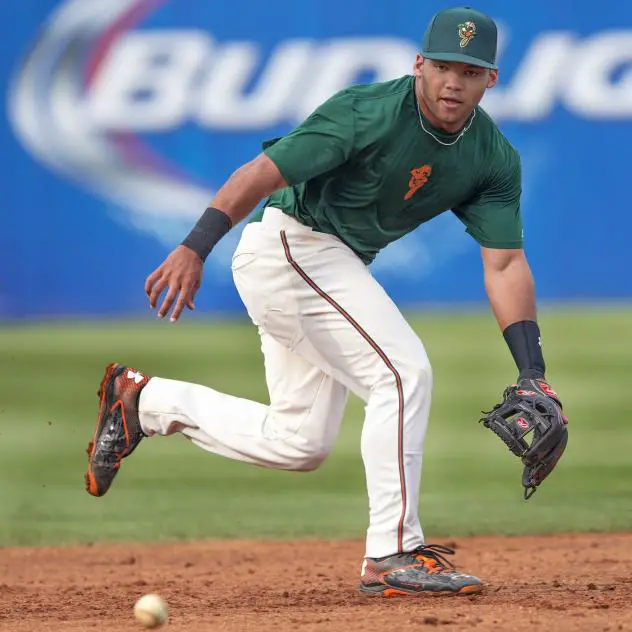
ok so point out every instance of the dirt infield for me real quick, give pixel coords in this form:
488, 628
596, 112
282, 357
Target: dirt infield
558, 583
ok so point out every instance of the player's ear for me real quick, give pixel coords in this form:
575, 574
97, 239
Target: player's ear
419, 62
493, 78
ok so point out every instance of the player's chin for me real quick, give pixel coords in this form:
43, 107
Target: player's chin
452, 112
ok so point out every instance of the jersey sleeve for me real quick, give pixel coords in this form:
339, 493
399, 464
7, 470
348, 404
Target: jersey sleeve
321, 143
493, 217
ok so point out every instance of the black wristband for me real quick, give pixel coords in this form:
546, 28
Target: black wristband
210, 228
523, 340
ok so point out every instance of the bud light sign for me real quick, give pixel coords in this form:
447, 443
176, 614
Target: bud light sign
124, 117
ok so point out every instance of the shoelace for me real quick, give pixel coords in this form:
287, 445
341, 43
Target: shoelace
436, 554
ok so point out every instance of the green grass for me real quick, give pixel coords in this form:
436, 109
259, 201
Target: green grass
171, 489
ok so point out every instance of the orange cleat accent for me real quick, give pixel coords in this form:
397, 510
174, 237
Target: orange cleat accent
118, 430
423, 571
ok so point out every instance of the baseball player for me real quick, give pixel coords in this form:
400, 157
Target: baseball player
368, 166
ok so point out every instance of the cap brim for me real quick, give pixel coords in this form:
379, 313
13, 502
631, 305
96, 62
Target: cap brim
465, 59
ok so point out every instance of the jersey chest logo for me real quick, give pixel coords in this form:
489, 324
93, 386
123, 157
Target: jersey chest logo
418, 177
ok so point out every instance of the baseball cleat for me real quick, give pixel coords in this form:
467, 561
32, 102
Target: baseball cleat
422, 571
118, 430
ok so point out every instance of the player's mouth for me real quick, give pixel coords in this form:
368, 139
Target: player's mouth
451, 103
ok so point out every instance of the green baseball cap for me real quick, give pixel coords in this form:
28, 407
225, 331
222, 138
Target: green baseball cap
462, 34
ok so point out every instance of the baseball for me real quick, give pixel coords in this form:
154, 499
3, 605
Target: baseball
151, 611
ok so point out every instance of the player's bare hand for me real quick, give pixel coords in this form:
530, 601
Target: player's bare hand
181, 275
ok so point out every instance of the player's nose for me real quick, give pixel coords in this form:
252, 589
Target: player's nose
453, 83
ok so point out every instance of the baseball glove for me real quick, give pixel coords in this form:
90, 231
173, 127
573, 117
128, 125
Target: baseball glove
530, 422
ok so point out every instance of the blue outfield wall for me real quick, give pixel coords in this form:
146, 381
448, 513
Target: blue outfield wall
121, 118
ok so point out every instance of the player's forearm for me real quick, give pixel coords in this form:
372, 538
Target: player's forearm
246, 187
240, 194
511, 291
510, 288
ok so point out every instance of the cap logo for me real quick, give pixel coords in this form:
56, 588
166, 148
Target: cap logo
467, 31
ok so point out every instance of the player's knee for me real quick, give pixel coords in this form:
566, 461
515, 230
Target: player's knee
310, 458
416, 376
412, 375
421, 371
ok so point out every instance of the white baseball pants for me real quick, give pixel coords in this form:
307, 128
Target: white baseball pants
327, 327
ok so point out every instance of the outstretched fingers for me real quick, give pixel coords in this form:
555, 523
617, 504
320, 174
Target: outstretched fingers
170, 297
185, 299
154, 285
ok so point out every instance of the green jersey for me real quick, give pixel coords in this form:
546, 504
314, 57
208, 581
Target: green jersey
367, 167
